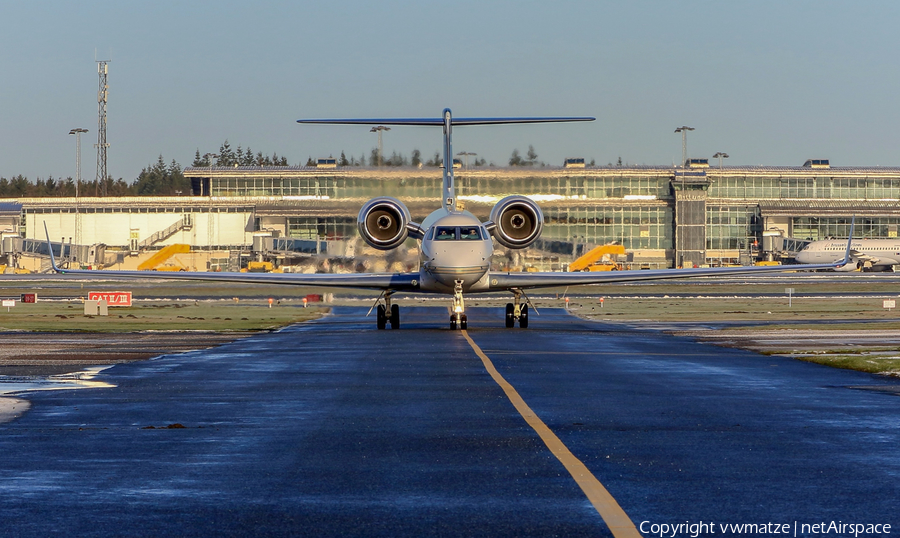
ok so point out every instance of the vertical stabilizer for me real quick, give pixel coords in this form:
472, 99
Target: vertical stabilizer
448, 188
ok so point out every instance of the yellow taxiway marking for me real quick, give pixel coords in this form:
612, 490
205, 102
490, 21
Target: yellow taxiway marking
598, 353
615, 518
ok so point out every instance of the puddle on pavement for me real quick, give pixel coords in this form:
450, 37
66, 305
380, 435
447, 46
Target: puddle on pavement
14, 384
887, 389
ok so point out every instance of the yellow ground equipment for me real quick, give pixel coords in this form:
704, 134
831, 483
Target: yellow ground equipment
259, 267
602, 258
155, 262
5, 270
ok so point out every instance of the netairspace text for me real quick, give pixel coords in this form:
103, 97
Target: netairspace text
796, 528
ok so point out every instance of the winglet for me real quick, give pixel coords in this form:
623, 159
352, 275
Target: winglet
50, 250
849, 242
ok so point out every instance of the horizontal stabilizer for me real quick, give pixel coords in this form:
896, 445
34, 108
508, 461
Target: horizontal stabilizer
453, 121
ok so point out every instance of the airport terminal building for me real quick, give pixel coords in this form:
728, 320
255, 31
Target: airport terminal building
664, 216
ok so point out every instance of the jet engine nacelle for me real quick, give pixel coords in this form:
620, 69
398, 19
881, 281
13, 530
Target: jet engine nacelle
852, 265
518, 221
382, 222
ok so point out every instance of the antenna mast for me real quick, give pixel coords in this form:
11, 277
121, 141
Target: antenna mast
102, 93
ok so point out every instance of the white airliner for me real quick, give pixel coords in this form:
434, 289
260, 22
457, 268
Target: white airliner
877, 254
456, 246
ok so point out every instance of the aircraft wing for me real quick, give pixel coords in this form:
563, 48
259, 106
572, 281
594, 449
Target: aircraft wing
504, 281
863, 257
374, 281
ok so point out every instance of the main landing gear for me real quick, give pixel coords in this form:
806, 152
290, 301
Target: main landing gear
458, 317
516, 311
387, 313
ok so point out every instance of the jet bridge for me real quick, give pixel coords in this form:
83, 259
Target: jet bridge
777, 247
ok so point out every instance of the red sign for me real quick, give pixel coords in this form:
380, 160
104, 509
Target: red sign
29, 297
112, 298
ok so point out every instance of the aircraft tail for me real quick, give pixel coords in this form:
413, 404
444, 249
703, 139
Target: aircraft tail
448, 198
50, 249
849, 242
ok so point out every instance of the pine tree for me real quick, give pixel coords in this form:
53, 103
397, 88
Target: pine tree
226, 155
531, 156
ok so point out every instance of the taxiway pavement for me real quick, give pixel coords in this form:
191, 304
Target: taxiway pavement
332, 428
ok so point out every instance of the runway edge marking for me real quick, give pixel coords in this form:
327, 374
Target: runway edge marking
613, 515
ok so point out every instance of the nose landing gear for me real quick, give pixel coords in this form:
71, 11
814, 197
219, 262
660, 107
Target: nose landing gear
516, 311
458, 320
458, 317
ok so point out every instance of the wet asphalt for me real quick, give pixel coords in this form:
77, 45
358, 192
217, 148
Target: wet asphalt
332, 428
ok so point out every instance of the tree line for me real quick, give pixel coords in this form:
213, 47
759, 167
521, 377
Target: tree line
158, 179
21, 187
161, 179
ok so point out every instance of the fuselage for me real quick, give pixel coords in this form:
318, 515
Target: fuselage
878, 252
456, 248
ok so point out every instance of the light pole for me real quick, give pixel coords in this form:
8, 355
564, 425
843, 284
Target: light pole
209, 157
379, 130
466, 154
683, 130
720, 155
77, 133
209, 219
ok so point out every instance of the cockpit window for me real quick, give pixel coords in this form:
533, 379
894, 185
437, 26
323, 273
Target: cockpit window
457, 233
445, 233
469, 233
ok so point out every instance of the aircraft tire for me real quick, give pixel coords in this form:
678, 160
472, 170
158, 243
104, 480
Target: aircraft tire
395, 316
463, 322
381, 317
510, 316
523, 318
453, 323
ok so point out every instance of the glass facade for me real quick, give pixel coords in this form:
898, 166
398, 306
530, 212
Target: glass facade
731, 227
654, 186
634, 206
328, 187
817, 228
635, 227
328, 228
802, 185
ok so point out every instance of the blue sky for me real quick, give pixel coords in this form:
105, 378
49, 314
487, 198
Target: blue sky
769, 82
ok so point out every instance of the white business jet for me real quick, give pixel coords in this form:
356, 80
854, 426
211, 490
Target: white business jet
456, 246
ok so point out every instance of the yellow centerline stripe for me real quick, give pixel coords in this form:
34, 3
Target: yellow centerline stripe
615, 518
616, 353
